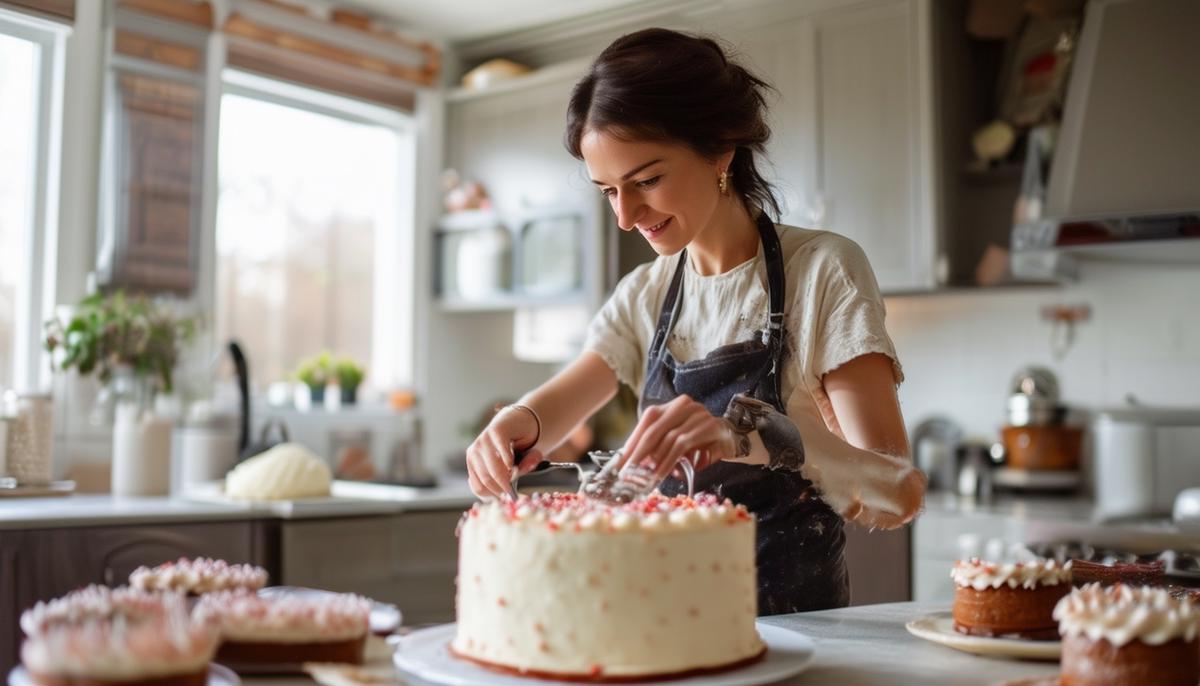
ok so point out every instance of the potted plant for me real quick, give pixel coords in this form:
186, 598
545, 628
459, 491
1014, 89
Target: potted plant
349, 376
115, 335
315, 373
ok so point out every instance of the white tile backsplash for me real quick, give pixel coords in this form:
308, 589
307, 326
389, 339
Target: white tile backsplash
959, 351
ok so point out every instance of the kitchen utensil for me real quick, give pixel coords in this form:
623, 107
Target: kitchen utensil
631, 481
543, 466
1054, 448
935, 441
974, 470
1034, 398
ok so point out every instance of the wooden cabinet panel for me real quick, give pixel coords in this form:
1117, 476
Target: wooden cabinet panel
408, 559
878, 563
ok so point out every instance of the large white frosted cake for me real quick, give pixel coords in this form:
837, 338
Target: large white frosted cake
561, 586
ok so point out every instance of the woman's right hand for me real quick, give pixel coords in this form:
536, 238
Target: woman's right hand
490, 456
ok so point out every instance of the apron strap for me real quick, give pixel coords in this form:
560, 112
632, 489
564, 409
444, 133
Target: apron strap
776, 286
772, 334
670, 311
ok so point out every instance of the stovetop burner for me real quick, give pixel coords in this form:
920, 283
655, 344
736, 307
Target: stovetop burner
1176, 564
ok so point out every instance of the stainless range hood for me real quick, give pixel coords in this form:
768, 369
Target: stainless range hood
1125, 178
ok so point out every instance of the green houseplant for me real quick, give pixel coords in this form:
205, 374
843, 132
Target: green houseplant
315, 372
112, 333
349, 377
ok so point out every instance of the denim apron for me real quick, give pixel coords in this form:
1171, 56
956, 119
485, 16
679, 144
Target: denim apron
800, 540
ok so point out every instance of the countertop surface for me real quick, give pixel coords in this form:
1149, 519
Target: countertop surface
204, 505
857, 646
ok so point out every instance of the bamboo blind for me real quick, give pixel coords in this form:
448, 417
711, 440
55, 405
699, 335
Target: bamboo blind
59, 10
274, 49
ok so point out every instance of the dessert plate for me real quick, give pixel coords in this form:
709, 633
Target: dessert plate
424, 654
218, 675
939, 628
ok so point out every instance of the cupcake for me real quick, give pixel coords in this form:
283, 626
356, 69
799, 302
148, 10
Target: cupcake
1128, 636
1014, 599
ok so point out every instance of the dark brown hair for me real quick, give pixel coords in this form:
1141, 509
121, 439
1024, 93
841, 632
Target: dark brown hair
658, 84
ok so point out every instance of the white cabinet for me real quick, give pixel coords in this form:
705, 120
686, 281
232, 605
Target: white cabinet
851, 129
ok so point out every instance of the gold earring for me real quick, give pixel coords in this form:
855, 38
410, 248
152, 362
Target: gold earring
723, 183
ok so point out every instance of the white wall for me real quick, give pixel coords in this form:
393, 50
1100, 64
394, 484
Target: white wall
959, 352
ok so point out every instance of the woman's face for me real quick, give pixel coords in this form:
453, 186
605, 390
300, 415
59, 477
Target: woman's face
664, 190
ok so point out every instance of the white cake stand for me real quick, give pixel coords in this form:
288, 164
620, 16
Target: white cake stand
424, 655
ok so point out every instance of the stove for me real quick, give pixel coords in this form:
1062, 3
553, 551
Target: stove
1177, 567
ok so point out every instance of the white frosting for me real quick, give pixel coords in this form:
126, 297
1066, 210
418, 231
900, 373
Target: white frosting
1120, 614
244, 616
202, 575
117, 635
95, 603
655, 512
982, 575
557, 583
284, 472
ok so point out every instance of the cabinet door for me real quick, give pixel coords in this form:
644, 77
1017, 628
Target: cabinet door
784, 54
409, 559
874, 167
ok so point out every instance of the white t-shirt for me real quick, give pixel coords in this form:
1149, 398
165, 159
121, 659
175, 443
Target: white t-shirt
833, 314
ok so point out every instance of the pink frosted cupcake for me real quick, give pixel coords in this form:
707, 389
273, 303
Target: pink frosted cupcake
199, 576
123, 637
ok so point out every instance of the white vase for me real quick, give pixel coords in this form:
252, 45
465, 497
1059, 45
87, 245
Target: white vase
141, 459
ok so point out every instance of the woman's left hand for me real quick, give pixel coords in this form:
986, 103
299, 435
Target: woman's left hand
677, 429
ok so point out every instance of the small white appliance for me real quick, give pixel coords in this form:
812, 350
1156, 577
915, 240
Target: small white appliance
1144, 457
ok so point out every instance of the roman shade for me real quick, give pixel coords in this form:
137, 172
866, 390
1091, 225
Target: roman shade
345, 53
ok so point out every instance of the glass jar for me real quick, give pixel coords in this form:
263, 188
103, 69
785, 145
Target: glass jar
350, 450
29, 444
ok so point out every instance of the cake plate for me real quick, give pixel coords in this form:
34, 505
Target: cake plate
424, 655
218, 675
939, 628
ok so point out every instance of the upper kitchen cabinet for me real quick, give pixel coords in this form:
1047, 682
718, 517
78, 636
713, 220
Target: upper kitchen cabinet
509, 138
852, 130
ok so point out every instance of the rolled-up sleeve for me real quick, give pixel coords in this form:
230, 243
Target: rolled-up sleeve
852, 312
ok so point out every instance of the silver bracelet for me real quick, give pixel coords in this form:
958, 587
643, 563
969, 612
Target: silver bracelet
537, 420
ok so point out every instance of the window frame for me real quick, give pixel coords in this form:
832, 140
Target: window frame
393, 332
31, 365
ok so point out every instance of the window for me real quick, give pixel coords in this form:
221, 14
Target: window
312, 250
30, 52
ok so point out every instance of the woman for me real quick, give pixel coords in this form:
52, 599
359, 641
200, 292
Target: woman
759, 350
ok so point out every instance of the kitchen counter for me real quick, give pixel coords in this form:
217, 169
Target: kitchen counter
867, 645
351, 499
1062, 518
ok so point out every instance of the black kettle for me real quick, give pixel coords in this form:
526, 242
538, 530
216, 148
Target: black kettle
274, 431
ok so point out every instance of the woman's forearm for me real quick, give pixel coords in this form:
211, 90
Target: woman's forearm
570, 397
868, 486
